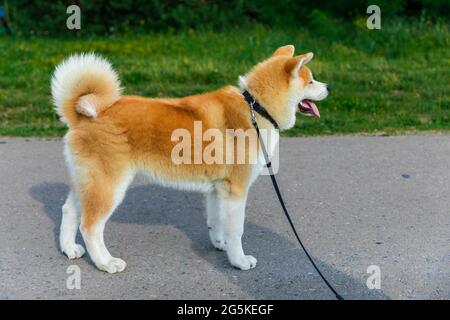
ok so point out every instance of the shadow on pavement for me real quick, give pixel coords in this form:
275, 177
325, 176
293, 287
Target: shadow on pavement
283, 271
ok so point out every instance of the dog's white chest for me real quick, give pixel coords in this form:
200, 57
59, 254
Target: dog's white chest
271, 140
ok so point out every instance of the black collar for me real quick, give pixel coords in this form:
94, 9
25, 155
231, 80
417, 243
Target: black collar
259, 109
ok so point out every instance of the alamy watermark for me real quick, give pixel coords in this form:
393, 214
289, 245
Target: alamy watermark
374, 280
234, 146
73, 22
73, 281
374, 20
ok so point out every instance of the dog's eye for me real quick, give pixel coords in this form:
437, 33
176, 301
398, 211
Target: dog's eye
310, 82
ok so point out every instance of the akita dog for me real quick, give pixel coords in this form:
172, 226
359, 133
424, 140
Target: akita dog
112, 137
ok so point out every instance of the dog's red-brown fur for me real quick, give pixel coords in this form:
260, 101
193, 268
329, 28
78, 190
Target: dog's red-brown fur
136, 131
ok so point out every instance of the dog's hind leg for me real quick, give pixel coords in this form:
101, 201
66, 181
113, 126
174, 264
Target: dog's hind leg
215, 220
69, 227
98, 201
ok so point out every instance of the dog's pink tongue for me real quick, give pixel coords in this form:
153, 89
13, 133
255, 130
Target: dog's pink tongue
314, 109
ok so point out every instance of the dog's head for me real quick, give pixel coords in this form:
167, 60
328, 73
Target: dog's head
283, 84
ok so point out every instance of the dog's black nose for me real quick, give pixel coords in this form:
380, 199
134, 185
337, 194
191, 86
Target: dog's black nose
328, 87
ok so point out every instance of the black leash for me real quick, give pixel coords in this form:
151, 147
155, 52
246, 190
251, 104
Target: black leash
251, 101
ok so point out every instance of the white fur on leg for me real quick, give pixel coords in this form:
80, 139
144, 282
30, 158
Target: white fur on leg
234, 229
215, 217
94, 240
69, 227
98, 252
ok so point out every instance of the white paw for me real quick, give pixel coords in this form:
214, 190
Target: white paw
74, 251
113, 265
244, 262
217, 241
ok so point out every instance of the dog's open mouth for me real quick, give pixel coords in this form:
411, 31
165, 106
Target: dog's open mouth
309, 108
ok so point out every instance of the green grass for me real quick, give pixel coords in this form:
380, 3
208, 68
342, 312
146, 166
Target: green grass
387, 81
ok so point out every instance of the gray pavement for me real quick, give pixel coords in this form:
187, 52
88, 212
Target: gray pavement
357, 201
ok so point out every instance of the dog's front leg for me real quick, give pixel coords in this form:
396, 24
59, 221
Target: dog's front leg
234, 229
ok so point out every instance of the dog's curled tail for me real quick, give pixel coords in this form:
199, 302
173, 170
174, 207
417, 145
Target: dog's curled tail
84, 85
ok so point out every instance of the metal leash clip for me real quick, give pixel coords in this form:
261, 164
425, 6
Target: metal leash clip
252, 112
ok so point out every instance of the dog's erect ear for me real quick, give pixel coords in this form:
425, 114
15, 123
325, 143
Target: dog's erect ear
285, 51
294, 64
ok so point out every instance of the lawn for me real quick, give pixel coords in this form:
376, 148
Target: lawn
386, 81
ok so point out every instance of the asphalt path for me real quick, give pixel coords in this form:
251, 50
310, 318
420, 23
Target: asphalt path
357, 202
